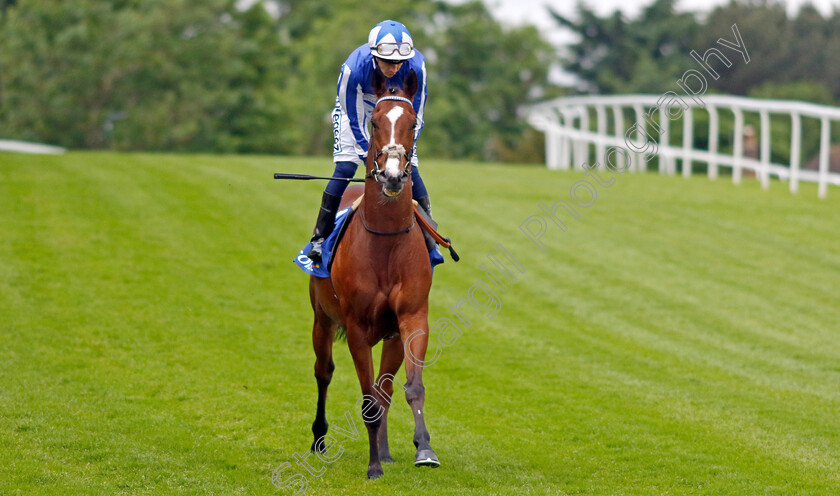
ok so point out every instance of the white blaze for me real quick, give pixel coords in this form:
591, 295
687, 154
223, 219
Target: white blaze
392, 165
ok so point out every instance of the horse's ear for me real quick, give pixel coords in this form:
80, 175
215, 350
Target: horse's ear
378, 83
411, 84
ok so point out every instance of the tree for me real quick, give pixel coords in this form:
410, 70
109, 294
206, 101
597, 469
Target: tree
181, 72
5, 5
616, 55
186, 76
767, 34
481, 73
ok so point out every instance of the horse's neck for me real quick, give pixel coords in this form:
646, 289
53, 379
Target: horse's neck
387, 215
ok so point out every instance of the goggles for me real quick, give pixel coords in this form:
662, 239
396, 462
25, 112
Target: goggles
388, 49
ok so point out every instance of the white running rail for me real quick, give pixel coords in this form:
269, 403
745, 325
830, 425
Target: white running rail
568, 135
25, 147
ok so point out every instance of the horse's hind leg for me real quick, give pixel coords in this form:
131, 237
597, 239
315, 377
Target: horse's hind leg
322, 341
389, 365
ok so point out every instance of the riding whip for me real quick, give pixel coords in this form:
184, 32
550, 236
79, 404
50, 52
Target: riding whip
306, 177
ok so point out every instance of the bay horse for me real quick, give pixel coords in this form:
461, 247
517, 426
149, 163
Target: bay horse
379, 284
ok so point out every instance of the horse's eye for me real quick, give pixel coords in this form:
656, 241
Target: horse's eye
374, 124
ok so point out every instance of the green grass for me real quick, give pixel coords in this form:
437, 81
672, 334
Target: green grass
682, 337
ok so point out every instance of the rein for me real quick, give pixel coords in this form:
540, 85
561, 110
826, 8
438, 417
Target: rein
384, 233
393, 151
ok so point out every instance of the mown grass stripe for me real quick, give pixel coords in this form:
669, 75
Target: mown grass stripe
679, 338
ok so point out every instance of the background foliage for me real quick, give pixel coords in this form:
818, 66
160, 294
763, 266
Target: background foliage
187, 76
647, 54
214, 76
791, 57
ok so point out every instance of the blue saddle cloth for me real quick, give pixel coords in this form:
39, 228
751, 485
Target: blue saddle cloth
307, 265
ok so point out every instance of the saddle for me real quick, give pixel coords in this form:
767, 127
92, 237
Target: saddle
343, 220
426, 223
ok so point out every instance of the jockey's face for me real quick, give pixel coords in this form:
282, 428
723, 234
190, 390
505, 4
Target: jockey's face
387, 68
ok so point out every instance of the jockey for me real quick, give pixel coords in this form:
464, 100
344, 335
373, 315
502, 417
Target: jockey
389, 50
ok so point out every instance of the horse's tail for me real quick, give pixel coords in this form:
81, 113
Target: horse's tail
340, 334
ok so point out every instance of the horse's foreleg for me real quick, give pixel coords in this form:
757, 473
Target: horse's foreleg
322, 340
389, 365
415, 338
371, 405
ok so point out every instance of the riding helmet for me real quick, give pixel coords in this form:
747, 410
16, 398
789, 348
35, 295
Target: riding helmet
391, 40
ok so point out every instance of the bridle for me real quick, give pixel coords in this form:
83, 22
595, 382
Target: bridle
392, 151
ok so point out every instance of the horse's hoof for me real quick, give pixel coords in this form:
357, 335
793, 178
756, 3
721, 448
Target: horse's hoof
374, 472
318, 447
426, 458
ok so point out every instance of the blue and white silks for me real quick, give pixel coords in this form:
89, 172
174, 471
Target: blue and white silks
356, 97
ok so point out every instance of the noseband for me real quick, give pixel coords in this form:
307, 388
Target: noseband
392, 151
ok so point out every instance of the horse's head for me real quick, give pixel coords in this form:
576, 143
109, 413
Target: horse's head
394, 122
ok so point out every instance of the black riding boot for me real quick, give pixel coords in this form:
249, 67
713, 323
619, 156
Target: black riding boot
324, 225
426, 204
